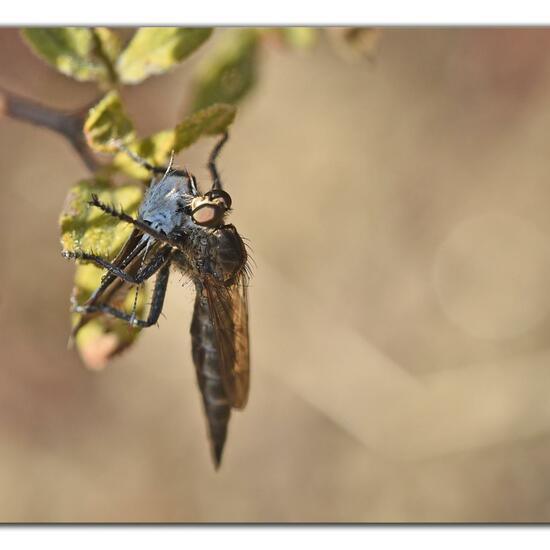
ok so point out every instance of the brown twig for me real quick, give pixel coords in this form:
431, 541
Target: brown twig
68, 125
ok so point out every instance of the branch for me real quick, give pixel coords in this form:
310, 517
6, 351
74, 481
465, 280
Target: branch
68, 125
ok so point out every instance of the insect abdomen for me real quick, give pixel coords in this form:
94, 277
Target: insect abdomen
207, 365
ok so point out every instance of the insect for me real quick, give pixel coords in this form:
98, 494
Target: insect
179, 226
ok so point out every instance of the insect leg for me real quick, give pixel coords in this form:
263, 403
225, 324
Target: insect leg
141, 225
108, 278
158, 170
147, 271
216, 182
140, 160
159, 293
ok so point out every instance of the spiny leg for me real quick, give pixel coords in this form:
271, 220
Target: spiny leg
158, 170
138, 286
144, 273
108, 278
155, 310
141, 225
216, 182
110, 281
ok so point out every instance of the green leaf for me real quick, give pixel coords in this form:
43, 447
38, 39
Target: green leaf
300, 37
86, 228
107, 123
229, 72
208, 122
155, 149
108, 47
110, 42
158, 147
71, 50
155, 50
100, 338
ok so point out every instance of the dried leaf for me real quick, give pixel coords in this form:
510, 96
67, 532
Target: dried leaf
355, 43
156, 50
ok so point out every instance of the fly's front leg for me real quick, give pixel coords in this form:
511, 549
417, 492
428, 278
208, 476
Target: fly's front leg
108, 278
141, 225
140, 160
143, 274
158, 170
155, 310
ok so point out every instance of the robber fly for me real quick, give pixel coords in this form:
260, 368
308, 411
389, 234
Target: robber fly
179, 226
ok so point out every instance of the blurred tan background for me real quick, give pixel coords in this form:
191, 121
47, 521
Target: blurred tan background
398, 214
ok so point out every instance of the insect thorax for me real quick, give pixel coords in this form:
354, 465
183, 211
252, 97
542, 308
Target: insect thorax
219, 253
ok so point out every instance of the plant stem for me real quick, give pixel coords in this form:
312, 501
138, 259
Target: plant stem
68, 125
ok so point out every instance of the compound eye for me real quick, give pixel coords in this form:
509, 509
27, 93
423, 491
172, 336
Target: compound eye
207, 215
220, 194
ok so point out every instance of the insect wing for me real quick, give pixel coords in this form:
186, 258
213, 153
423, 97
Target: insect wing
229, 312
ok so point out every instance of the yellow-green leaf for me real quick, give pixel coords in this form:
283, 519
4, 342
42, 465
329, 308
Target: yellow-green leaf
110, 43
207, 122
107, 123
155, 50
300, 37
228, 73
158, 147
100, 338
71, 50
155, 149
86, 228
